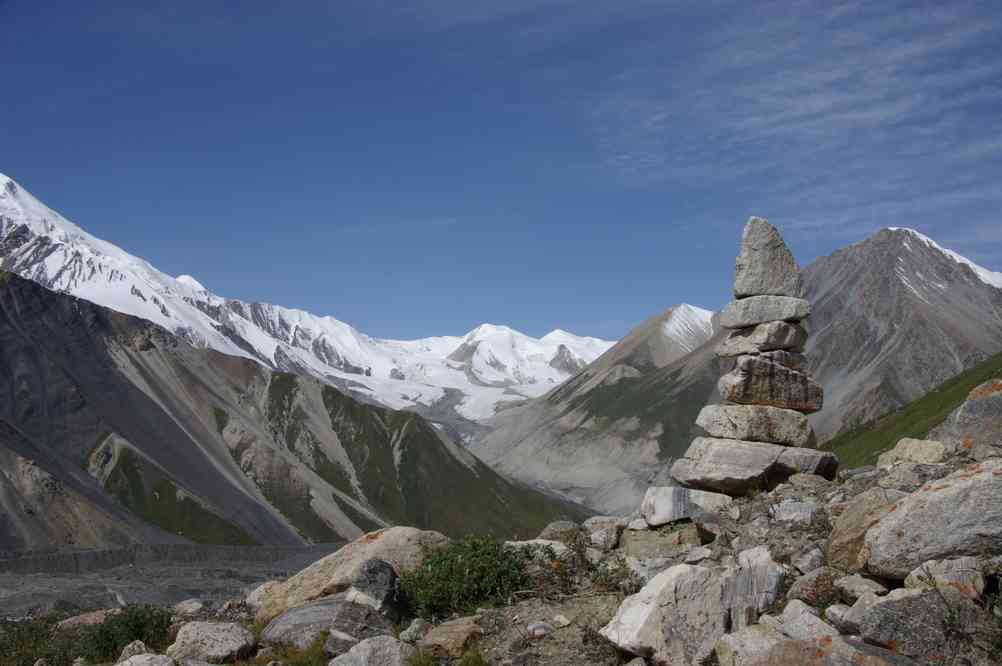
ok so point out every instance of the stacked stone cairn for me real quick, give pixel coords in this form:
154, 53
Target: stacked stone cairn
760, 434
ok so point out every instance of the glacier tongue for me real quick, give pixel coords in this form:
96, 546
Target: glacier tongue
472, 374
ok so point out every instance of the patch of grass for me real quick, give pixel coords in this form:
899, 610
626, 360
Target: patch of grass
466, 574
22, 643
422, 659
311, 656
862, 445
154, 498
472, 658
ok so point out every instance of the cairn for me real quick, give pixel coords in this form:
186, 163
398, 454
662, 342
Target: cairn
760, 435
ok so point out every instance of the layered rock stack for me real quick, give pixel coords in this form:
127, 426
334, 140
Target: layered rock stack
760, 435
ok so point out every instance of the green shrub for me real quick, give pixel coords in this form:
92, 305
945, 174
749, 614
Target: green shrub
21, 643
422, 659
470, 572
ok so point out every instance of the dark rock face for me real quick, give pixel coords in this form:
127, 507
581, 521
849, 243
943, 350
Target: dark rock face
378, 583
757, 381
352, 623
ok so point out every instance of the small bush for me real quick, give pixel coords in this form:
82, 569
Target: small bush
422, 659
472, 658
471, 572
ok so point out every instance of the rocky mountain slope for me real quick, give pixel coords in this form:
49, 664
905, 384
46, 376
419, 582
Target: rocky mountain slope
893, 317
456, 379
113, 430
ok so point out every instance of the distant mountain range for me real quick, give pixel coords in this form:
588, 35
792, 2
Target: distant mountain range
894, 316
454, 379
113, 431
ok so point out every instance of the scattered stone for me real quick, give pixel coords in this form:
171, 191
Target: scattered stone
852, 617
402, 547
828, 651
189, 607
563, 531
539, 630
962, 574
666, 504
561, 621
301, 626
637, 524
352, 623
133, 649
604, 531
909, 477
378, 651
377, 585
808, 560
677, 618
216, 642
87, 619
817, 588
959, 515
753, 587
651, 543
975, 428
768, 338
756, 423
414, 631
850, 528
751, 642
697, 554
756, 310
801, 622
452, 639
148, 660
794, 511
921, 623
854, 586
758, 381
835, 614
737, 467
915, 451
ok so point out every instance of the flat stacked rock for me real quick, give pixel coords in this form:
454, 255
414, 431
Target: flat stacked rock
760, 435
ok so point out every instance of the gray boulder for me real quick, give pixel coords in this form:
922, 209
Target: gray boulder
378, 651
133, 649
352, 623
817, 588
148, 660
752, 642
752, 587
963, 574
857, 517
828, 651
794, 512
376, 584
758, 381
755, 423
909, 476
737, 467
958, 515
915, 451
769, 337
215, 642
854, 586
666, 504
756, 310
801, 622
604, 531
765, 264
301, 626
975, 428
851, 619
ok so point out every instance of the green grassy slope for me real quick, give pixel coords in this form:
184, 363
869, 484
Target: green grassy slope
862, 445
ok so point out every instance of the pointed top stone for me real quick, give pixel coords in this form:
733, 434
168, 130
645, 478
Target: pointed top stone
766, 266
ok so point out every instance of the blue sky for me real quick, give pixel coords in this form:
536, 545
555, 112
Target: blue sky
417, 168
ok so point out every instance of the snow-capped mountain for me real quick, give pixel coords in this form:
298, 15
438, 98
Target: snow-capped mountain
453, 377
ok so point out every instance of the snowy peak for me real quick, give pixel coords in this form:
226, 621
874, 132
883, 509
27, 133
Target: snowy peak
688, 326
474, 373
988, 277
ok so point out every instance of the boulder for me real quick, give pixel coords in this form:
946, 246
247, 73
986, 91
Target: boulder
148, 660
756, 423
452, 639
835, 614
301, 626
909, 477
962, 574
188, 608
756, 310
849, 530
958, 515
133, 649
352, 623
765, 264
758, 381
809, 559
603, 531
215, 642
975, 428
677, 618
87, 619
828, 651
854, 586
817, 588
666, 504
801, 622
852, 617
752, 587
402, 547
378, 651
915, 451
377, 585
794, 512
564, 531
772, 336
922, 624
655, 544
751, 642
259, 593
737, 467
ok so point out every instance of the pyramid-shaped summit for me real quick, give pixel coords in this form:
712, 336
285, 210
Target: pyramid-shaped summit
760, 435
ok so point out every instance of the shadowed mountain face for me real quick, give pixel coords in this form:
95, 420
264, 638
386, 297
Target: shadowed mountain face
893, 317
114, 431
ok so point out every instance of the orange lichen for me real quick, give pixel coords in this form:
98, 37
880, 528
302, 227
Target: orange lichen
989, 388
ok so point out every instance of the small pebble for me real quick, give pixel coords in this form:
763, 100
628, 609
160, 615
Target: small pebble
540, 630
561, 621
